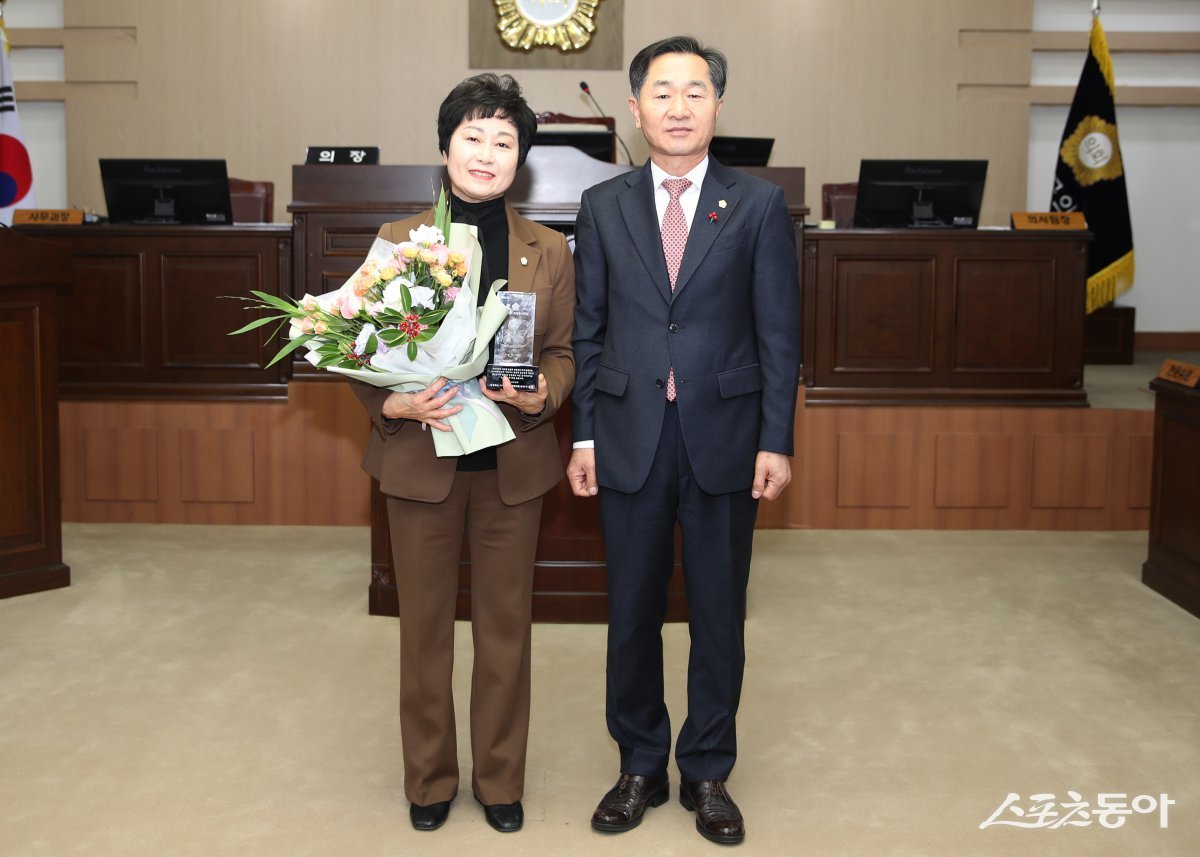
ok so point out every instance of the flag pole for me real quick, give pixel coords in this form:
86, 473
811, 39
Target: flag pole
1095, 8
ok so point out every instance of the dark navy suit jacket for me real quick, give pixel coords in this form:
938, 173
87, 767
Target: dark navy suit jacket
730, 329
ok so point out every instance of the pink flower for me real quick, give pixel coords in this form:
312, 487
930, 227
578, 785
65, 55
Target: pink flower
346, 304
452, 293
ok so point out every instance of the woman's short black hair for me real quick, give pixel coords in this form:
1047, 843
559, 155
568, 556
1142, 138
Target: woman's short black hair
482, 97
718, 66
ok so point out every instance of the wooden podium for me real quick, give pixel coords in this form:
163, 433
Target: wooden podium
944, 317
1173, 565
31, 273
338, 210
147, 320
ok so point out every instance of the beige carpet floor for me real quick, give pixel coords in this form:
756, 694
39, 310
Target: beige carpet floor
222, 691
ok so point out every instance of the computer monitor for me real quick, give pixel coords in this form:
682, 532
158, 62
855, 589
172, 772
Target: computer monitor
742, 151
166, 191
896, 194
596, 142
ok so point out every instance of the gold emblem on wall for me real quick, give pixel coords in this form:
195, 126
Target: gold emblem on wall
563, 24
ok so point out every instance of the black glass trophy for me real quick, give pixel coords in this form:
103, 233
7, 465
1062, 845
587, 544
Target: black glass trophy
512, 348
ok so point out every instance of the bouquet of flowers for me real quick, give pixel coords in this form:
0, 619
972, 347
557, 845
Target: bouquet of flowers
409, 315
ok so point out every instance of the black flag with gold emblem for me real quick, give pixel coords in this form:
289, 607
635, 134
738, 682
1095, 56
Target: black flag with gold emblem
1090, 176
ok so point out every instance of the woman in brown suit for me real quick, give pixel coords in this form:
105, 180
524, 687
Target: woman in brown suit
493, 497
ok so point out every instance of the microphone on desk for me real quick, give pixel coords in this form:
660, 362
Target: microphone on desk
588, 92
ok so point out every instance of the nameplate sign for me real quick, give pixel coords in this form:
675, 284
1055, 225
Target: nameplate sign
48, 216
342, 155
1179, 373
1049, 220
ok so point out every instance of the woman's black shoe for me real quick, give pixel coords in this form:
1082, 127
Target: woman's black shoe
429, 817
505, 817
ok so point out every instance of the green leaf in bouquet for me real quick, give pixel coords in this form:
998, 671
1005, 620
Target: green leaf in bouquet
405, 299
291, 346
412, 351
259, 322
434, 316
441, 213
287, 305
372, 344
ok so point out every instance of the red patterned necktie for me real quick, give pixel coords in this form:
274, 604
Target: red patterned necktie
674, 240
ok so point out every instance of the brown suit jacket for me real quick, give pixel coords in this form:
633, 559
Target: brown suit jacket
401, 455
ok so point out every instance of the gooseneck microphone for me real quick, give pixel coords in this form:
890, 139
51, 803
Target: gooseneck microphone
588, 92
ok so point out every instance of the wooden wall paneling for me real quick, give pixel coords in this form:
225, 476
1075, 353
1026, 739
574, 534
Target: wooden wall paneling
959, 476
216, 465
121, 464
875, 469
320, 454
1070, 471
295, 462
1089, 488
949, 473
1141, 459
972, 470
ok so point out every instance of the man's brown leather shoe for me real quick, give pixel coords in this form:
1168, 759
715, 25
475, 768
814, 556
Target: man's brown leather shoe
621, 809
717, 817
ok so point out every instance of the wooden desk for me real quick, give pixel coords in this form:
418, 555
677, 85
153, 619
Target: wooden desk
337, 213
942, 316
31, 273
141, 315
1173, 565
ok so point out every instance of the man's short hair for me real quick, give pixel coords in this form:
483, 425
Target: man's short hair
482, 97
718, 66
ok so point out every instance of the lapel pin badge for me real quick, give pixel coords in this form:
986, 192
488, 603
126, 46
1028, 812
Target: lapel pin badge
722, 203
524, 261
712, 217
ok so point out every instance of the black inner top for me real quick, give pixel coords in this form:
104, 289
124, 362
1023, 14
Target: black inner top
491, 220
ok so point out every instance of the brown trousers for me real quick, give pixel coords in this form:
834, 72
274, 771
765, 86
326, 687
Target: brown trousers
426, 545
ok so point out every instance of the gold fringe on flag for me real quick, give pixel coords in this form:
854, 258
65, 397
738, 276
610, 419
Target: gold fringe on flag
1104, 285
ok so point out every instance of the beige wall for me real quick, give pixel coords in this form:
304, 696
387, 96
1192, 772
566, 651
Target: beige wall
255, 81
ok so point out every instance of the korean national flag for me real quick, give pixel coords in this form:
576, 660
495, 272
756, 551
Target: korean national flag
16, 174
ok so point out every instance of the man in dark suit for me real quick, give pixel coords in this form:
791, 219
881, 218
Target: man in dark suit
687, 349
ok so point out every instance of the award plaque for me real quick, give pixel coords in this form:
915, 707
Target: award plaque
512, 349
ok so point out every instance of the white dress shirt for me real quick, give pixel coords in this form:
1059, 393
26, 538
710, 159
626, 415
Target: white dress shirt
688, 200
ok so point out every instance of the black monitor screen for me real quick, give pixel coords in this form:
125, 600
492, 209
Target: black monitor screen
145, 190
597, 144
898, 194
742, 151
